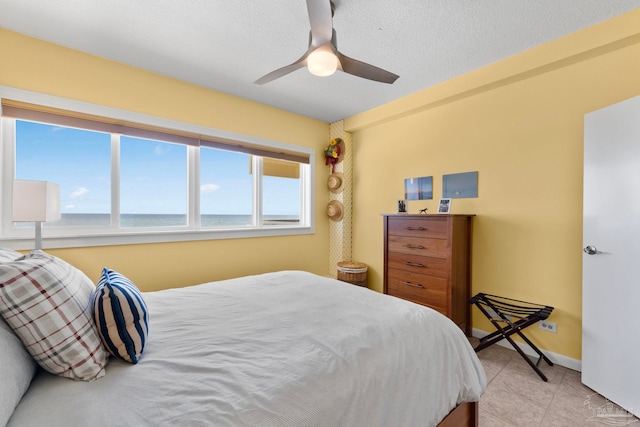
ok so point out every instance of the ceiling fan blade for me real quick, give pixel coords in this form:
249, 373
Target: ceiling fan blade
281, 71
321, 20
364, 70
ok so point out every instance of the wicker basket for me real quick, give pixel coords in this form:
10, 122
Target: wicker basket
353, 272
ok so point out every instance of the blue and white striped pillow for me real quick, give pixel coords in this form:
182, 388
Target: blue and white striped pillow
121, 316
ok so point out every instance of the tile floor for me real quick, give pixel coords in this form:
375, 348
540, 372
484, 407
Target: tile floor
516, 396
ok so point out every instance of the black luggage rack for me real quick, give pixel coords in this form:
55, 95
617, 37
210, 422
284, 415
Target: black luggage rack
507, 310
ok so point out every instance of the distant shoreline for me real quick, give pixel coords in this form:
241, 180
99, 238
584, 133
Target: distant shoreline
165, 220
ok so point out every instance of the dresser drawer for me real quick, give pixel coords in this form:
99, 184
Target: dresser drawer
438, 267
419, 288
418, 227
437, 248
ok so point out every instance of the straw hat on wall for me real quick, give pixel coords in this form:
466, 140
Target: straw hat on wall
335, 183
335, 210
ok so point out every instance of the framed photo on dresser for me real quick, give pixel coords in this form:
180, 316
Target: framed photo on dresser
444, 207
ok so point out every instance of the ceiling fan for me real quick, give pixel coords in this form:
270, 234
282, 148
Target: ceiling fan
323, 57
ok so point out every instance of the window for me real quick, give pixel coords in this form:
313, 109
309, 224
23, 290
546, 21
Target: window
226, 189
281, 199
153, 183
149, 180
75, 159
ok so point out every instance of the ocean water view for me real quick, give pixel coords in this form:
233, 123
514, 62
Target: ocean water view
166, 220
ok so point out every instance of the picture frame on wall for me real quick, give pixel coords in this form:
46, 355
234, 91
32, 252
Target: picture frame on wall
418, 188
444, 206
460, 185
402, 206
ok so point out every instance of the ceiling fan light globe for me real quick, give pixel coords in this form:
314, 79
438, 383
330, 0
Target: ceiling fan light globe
322, 63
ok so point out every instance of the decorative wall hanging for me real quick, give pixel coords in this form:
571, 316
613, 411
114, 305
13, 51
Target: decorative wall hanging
444, 207
334, 153
335, 183
460, 185
335, 210
418, 188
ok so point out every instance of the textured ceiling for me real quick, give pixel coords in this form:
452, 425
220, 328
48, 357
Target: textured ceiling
226, 45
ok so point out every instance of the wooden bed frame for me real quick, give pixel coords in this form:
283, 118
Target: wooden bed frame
465, 414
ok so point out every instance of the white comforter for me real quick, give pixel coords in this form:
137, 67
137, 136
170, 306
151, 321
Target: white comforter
288, 348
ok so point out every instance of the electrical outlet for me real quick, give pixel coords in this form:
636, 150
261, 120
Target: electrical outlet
548, 326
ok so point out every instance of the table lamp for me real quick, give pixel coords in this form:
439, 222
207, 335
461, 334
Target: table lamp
36, 201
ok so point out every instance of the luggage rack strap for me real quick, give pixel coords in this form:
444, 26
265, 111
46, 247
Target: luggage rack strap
506, 306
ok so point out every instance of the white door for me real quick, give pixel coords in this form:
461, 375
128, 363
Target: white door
611, 258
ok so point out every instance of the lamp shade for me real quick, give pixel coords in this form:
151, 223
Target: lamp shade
35, 201
322, 62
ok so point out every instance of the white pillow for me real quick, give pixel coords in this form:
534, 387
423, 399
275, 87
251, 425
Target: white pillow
17, 368
46, 302
7, 254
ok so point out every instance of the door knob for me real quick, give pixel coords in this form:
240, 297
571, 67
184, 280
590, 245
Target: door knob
590, 250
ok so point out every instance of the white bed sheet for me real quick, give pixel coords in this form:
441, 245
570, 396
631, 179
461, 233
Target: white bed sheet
288, 348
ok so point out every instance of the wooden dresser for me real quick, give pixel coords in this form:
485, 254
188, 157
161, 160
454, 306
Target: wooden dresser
427, 260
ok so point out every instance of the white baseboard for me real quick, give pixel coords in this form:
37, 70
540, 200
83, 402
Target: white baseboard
558, 359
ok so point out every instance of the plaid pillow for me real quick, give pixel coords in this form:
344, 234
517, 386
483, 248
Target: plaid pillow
121, 316
46, 302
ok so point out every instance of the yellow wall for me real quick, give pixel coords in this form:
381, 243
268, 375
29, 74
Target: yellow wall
42, 67
519, 123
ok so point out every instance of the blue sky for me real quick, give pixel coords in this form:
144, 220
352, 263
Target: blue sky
153, 174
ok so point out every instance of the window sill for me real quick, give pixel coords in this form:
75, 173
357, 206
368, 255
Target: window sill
155, 236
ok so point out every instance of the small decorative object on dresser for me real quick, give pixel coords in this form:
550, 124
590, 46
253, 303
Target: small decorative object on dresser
427, 260
444, 207
402, 206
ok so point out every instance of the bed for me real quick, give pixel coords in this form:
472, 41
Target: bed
287, 348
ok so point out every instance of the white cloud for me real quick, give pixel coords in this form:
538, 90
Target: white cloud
209, 188
70, 206
81, 191
161, 149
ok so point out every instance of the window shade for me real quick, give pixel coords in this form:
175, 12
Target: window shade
30, 112
278, 168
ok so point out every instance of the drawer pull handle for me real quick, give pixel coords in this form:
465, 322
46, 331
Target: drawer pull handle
416, 229
414, 264
414, 285
410, 246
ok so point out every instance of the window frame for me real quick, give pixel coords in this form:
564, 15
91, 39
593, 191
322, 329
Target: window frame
65, 237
